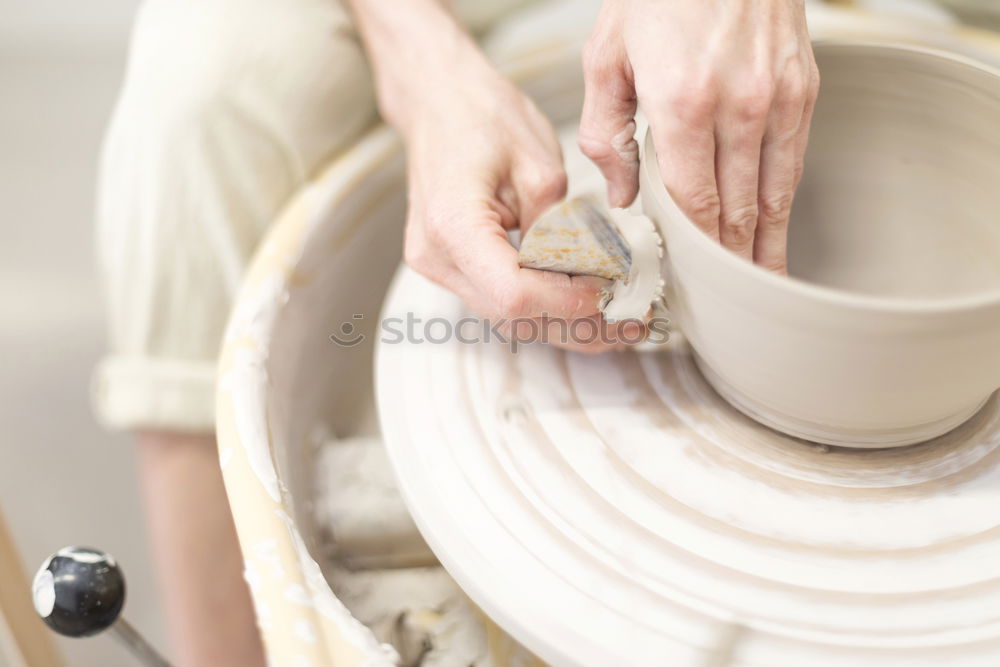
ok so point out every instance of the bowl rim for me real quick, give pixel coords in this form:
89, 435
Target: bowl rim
818, 293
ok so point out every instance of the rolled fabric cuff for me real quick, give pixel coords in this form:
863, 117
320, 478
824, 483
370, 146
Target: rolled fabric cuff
136, 393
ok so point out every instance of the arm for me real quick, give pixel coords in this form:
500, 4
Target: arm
481, 160
728, 89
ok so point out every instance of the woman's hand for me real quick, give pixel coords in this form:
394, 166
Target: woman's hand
482, 160
728, 89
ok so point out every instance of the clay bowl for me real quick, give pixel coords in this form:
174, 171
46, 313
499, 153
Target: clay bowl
887, 333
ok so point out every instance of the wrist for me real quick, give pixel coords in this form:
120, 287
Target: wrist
437, 86
420, 57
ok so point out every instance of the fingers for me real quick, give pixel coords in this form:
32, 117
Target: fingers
536, 186
514, 292
685, 152
481, 252
471, 238
529, 305
607, 125
732, 161
777, 186
802, 139
738, 150
781, 166
589, 335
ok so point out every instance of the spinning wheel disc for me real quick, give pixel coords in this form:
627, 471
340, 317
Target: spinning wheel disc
615, 510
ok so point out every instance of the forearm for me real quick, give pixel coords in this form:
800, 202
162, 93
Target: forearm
419, 53
196, 551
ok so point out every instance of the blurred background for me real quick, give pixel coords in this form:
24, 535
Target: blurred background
63, 480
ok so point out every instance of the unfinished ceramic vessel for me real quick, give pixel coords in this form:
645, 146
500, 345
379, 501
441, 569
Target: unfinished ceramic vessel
888, 332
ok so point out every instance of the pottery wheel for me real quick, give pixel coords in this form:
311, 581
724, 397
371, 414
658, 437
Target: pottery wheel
614, 510
608, 508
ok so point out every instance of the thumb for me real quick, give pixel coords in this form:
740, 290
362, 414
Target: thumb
607, 124
499, 287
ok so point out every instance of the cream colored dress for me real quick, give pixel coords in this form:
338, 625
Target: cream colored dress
227, 107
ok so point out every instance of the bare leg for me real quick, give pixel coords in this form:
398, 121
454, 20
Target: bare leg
209, 613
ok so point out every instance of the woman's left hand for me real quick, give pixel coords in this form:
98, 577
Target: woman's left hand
728, 89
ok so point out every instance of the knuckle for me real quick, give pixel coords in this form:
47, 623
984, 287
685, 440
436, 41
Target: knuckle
433, 228
793, 95
694, 103
549, 185
511, 302
753, 101
596, 148
813, 82
429, 237
702, 205
740, 222
416, 256
774, 208
695, 110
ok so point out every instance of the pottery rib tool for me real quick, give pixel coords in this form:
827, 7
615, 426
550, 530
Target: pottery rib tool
578, 238
581, 237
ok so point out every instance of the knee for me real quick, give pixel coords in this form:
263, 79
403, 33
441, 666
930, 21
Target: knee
292, 68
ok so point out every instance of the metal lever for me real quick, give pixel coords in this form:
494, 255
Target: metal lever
80, 592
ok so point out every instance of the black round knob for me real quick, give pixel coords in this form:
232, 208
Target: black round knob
79, 591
